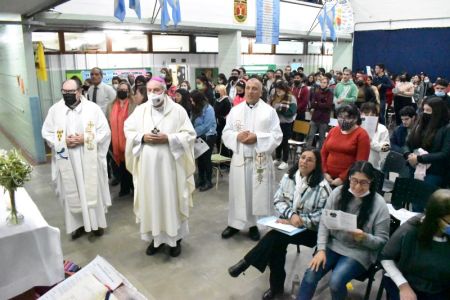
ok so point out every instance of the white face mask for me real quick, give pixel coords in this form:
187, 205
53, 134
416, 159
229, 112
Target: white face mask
361, 196
156, 99
115, 86
162, 75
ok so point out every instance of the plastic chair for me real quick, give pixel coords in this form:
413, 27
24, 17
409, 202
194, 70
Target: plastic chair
414, 192
217, 159
396, 163
300, 127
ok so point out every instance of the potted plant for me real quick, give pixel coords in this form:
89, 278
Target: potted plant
14, 172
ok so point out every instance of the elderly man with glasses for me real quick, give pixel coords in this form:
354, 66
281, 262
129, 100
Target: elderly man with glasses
78, 133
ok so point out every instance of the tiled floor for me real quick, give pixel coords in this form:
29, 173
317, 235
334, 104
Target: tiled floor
201, 270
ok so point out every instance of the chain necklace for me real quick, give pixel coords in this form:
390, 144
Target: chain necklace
155, 129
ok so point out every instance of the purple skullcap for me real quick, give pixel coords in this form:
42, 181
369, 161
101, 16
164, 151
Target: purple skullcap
158, 79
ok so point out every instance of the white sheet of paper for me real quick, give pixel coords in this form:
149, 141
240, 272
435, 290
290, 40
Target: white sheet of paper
88, 288
339, 220
285, 228
99, 268
370, 125
333, 122
368, 71
402, 214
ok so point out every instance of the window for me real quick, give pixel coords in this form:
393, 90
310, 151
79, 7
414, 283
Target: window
128, 41
170, 43
49, 39
261, 48
244, 44
314, 47
85, 41
289, 47
207, 44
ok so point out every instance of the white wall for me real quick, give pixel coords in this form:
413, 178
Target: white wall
342, 55
414, 13
20, 115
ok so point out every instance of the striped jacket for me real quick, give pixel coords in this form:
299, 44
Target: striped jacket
295, 196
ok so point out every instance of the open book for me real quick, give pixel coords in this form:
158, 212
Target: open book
284, 228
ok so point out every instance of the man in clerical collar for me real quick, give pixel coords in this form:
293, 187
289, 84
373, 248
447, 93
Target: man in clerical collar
78, 133
252, 132
159, 154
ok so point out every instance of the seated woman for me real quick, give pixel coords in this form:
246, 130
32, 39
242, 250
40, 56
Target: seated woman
349, 254
344, 145
417, 256
299, 201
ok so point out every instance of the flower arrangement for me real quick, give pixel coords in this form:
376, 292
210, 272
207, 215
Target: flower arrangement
14, 172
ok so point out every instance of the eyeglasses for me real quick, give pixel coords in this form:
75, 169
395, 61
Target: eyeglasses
63, 91
362, 182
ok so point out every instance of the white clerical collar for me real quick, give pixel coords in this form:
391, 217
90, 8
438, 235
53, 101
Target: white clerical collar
252, 105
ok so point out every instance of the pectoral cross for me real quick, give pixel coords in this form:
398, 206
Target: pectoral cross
259, 158
155, 130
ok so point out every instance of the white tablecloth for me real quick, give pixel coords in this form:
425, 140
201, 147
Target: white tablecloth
30, 253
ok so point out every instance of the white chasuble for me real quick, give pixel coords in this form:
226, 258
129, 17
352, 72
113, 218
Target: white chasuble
163, 173
80, 173
252, 171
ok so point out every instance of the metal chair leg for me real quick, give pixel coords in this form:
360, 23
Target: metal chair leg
298, 248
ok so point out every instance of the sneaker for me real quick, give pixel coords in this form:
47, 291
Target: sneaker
283, 166
276, 161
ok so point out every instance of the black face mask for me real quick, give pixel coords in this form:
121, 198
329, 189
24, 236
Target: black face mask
122, 95
241, 94
70, 99
233, 78
426, 119
217, 95
360, 83
297, 82
277, 76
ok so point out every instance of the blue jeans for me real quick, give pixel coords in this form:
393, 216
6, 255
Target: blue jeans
344, 269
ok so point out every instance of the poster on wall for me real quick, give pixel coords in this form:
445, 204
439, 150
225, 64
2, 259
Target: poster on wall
179, 73
108, 74
240, 11
211, 73
343, 18
267, 21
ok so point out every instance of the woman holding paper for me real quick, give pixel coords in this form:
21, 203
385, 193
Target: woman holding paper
204, 121
349, 253
417, 256
299, 201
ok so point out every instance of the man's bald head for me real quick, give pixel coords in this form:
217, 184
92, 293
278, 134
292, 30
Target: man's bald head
70, 85
253, 90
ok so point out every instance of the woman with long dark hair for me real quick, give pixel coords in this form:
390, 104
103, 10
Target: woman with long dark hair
204, 121
285, 105
432, 134
299, 201
140, 95
203, 85
349, 254
417, 256
183, 98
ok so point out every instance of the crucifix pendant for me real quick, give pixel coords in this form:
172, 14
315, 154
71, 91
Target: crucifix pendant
155, 130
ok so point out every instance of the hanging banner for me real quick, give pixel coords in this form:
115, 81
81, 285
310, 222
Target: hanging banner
240, 11
39, 61
267, 21
343, 19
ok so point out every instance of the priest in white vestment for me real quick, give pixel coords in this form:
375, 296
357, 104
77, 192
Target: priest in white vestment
78, 134
159, 154
252, 132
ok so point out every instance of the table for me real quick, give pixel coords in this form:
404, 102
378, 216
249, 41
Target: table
30, 253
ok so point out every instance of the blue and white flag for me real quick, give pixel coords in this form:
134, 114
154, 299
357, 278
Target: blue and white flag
119, 9
165, 19
267, 21
326, 20
330, 22
136, 5
176, 13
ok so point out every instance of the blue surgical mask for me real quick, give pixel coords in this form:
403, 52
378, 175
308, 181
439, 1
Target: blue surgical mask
439, 93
